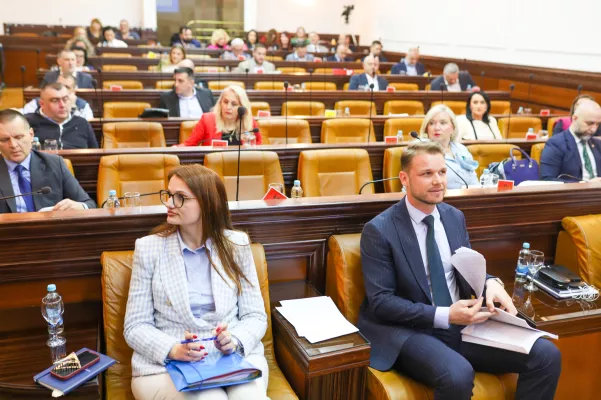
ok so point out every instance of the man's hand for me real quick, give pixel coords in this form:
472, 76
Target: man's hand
467, 312
496, 293
68, 204
595, 180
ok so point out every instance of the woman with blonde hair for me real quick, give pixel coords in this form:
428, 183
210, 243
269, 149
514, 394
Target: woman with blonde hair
219, 40
194, 277
95, 30
176, 55
440, 125
223, 123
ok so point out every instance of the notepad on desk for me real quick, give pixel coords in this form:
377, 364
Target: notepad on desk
316, 318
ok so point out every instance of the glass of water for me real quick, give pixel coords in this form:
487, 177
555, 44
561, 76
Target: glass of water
52, 311
535, 263
132, 200
50, 145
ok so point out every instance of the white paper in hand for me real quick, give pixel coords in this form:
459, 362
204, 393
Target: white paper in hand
472, 266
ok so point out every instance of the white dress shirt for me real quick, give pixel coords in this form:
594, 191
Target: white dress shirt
581, 148
441, 316
455, 87
189, 107
374, 80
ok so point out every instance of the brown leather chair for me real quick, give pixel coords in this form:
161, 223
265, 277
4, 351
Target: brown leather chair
115, 55
303, 108
257, 170
200, 57
500, 107
358, 108
185, 130
116, 274
269, 85
347, 130
327, 86
69, 165
144, 173
519, 126
118, 68
404, 86
162, 85
346, 86
124, 109
458, 107
257, 106
205, 69
407, 125
344, 284
392, 168
291, 70
551, 124
119, 135
488, 153
273, 130
322, 71
411, 107
220, 85
129, 85
25, 34
537, 151
334, 172
274, 58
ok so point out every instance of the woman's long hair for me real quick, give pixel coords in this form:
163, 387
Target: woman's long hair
180, 47
209, 190
468, 110
247, 122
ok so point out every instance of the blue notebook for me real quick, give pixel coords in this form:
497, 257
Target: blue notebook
216, 370
62, 387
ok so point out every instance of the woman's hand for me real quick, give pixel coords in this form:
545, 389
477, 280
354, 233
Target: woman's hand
189, 351
224, 341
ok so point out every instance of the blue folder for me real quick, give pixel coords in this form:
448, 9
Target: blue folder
216, 370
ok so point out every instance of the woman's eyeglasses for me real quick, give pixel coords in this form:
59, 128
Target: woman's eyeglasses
178, 198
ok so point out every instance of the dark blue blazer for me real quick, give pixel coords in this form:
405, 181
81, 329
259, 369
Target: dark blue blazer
465, 79
358, 80
84, 81
398, 302
334, 59
401, 68
561, 156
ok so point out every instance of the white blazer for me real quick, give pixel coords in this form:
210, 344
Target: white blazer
158, 308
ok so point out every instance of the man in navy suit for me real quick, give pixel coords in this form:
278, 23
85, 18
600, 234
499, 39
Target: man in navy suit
340, 55
574, 154
67, 64
371, 65
417, 303
410, 65
453, 80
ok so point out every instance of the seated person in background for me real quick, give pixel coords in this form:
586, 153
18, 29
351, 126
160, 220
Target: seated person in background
110, 40
410, 65
300, 36
95, 31
452, 80
223, 122
371, 65
236, 51
223, 301
53, 120
573, 152
348, 41
219, 40
300, 53
67, 64
376, 51
198, 81
252, 38
416, 302
186, 39
82, 42
79, 31
270, 40
477, 124
81, 60
176, 55
77, 105
564, 123
257, 63
340, 55
23, 171
124, 32
440, 126
284, 43
315, 45
184, 100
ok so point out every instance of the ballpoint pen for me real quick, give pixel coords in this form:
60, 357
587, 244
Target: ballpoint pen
207, 339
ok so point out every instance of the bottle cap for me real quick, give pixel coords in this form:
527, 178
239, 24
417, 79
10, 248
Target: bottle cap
526, 245
112, 192
486, 171
296, 182
530, 129
36, 139
51, 287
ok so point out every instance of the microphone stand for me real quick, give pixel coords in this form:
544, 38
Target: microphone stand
286, 84
579, 89
482, 75
376, 181
241, 112
511, 88
246, 80
123, 197
371, 102
442, 88
310, 95
37, 60
23, 83
530, 77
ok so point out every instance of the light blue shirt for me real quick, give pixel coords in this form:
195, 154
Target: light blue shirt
198, 274
411, 70
463, 164
189, 107
14, 180
295, 57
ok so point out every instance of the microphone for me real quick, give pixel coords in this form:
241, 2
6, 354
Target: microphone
95, 84
482, 74
443, 87
123, 197
241, 112
286, 84
37, 60
530, 77
44, 190
246, 80
376, 181
579, 89
101, 113
371, 102
416, 136
511, 88
23, 83
310, 102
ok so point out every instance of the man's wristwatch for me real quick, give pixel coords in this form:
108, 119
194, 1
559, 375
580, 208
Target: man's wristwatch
500, 282
238, 347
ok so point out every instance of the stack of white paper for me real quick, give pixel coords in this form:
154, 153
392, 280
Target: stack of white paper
316, 318
472, 266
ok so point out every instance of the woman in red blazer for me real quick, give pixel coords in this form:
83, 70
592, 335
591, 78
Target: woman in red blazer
223, 122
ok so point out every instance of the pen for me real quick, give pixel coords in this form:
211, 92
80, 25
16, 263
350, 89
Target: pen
207, 339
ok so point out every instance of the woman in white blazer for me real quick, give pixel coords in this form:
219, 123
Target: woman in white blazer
477, 124
194, 277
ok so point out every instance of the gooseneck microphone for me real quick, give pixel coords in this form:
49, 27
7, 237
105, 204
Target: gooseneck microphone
23, 83
530, 77
371, 102
579, 89
376, 181
286, 84
241, 113
123, 197
443, 87
511, 88
482, 74
246, 79
37, 60
310, 70
44, 190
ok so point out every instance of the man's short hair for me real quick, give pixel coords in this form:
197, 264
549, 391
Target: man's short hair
185, 70
53, 85
450, 68
63, 51
415, 149
376, 42
106, 29
300, 44
184, 28
260, 46
8, 115
71, 77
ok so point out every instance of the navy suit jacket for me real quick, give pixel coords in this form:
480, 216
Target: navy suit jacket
401, 68
561, 156
465, 79
84, 81
398, 303
358, 80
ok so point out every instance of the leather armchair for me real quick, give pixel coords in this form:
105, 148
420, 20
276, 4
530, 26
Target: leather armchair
69, 165
144, 173
347, 130
579, 247
392, 168
519, 126
537, 151
329, 86
291, 70
130, 85
498, 107
220, 85
411, 107
269, 85
357, 107
185, 130
164, 85
322, 71
257, 106
273, 130
334, 172
407, 125
488, 153
257, 170
116, 274
404, 86
119, 68
115, 55
551, 124
119, 135
303, 108
344, 284
458, 107
205, 69
123, 109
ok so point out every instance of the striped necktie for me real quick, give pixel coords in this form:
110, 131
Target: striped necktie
587, 160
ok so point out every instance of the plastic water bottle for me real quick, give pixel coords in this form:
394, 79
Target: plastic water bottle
52, 310
485, 179
347, 112
469, 88
297, 191
530, 132
113, 200
399, 135
521, 110
521, 270
36, 145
